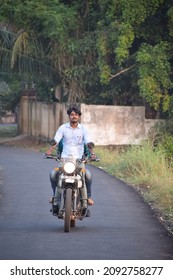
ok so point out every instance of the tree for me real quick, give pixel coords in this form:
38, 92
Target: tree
100, 51
138, 34
53, 36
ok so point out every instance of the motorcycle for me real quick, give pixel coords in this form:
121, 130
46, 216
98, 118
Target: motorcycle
67, 202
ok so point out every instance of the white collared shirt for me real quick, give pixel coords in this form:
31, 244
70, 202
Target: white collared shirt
73, 139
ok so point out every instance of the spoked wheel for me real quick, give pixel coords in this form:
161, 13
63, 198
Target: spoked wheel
68, 202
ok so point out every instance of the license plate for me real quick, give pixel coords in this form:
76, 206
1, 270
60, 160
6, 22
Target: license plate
69, 180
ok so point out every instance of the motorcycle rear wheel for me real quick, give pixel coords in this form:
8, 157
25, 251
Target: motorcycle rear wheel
68, 203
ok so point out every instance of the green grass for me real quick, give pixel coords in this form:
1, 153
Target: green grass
144, 168
8, 131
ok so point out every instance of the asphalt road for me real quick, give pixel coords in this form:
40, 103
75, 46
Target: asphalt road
121, 226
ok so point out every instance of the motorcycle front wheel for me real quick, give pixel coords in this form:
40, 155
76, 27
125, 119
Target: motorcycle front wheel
68, 203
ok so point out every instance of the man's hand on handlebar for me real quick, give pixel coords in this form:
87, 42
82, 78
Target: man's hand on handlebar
46, 156
93, 157
52, 147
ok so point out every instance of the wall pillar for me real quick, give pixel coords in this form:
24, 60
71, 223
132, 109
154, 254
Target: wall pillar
24, 117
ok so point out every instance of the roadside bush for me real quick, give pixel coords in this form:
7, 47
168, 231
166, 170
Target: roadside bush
8, 131
161, 136
146, 168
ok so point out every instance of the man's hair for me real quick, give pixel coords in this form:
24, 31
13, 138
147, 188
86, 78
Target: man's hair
74, 109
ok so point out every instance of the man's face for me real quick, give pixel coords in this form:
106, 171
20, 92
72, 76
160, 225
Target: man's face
74, 117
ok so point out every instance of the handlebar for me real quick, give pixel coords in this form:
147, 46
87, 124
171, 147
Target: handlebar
83, 159
45, 156
56, 157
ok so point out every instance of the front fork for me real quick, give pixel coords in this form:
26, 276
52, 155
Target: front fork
74, 200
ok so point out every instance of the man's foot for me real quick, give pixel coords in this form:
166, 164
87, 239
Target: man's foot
51, 199
55, 209
90, 201
88, 213
84, 212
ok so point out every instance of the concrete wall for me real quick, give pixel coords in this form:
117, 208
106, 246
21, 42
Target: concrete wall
39, 119
116, 125
108, 125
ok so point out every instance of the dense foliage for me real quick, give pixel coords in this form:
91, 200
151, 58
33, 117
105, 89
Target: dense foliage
95, 51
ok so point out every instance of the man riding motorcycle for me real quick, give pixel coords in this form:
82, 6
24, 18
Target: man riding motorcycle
73, 136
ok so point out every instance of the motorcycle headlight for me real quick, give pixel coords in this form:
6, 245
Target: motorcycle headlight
69, 167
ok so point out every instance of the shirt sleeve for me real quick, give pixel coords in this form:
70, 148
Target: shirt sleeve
86, 136
59, 134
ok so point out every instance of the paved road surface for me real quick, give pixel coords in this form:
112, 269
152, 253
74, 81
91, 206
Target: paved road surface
122, 226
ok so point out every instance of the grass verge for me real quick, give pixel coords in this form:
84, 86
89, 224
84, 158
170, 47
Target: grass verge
8, 130
147, 170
